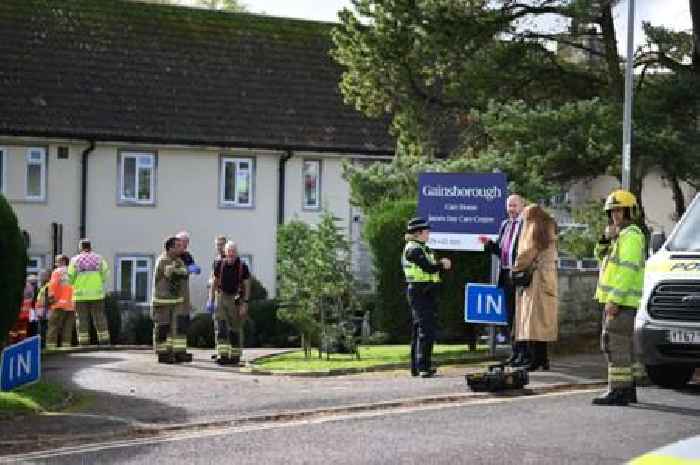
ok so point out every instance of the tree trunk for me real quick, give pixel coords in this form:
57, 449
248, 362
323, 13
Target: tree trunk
695, 18
678, 197
612, 59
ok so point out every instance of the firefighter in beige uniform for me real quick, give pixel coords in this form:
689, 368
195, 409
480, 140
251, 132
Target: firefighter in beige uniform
231, 289
169, 325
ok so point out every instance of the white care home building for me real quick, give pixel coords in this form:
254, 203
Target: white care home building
126, 122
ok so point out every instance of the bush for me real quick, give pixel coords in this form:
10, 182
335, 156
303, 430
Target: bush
269, 330
138, 329
384, 231
13, 256
201, 333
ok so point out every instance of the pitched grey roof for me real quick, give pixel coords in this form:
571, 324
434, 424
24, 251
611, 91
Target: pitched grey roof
117, 70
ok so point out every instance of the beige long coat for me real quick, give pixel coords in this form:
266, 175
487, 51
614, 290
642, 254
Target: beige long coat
536, 306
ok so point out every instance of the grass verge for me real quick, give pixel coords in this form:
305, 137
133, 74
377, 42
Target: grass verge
370, 356
35, 398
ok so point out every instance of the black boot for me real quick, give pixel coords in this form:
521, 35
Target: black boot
525, 355
539, 356
168, 358
183, 357
617, 396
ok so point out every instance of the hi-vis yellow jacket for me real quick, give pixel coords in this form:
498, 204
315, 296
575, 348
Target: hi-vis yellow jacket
413, 272
87, 273
622, 274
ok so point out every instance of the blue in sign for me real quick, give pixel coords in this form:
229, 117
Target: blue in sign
484, 303
20, 364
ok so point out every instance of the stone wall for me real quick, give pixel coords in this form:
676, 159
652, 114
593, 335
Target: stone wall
579, 314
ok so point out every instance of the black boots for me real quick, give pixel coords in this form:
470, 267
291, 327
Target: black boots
183, 357
171, 358
619, 396
540, 358
167, 357
523, 357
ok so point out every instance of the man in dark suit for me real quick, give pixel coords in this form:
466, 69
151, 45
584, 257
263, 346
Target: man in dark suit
506, 248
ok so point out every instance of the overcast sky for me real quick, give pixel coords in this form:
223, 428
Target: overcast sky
673, 13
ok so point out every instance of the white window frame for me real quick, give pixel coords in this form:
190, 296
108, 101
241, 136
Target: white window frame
225, 160
30, 161
3, 170
39, 264
317, 205
139, 156
134, 258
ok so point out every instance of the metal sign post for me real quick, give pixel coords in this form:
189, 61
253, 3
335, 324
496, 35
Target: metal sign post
629, 89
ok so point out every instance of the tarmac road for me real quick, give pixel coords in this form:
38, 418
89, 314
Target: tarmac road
558, 428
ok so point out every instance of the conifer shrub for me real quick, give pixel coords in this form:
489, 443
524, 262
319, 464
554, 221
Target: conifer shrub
13, 256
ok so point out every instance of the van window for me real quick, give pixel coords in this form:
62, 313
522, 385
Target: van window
686, 238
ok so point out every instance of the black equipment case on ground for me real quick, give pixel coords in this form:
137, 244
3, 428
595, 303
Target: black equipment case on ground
498, 378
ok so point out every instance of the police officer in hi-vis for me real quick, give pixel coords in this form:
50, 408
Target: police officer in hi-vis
622, 254
422, 273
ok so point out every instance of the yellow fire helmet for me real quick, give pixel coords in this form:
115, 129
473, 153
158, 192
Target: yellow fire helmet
622, 199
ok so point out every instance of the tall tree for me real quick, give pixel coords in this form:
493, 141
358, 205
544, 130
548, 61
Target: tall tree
434, 66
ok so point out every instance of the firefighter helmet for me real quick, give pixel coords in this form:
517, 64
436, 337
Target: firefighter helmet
622, 199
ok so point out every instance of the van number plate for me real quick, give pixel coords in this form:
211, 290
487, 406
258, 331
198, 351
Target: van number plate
682, 336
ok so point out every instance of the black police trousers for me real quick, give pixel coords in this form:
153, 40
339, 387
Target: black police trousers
423, 309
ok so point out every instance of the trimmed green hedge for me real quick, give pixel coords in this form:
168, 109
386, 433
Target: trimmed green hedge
384, 231
13, 256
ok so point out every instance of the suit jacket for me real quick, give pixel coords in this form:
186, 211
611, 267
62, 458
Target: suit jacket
495, 247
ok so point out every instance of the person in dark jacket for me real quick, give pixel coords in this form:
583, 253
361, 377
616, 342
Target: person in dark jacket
506, 249
422, 273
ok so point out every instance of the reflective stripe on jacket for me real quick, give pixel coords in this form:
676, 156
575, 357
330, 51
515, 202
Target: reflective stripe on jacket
413, 272
88, 284
622, 277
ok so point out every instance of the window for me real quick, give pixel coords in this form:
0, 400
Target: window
137, 177
236, 182
134, 276
36, 174
312, 184
35, 264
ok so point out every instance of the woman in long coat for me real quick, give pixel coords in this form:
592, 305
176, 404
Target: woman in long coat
536, 306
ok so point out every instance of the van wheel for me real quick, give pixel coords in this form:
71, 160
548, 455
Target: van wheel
670, 376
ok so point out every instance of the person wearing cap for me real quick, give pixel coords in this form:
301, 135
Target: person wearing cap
422, 273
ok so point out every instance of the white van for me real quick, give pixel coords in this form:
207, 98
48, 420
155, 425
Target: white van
667, 327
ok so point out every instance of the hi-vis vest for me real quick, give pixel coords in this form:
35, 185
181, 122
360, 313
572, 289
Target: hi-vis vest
87, 273
414, 273
622, 278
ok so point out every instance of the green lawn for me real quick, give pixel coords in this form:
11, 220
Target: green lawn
370, 356
34, 398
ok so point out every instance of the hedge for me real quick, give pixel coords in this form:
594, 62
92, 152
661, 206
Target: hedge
13, 256
384, 232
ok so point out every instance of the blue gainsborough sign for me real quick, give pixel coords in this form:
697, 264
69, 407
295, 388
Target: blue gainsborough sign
484, 303
460, 207
20, 363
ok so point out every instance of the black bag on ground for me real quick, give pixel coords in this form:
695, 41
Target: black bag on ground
497, 378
